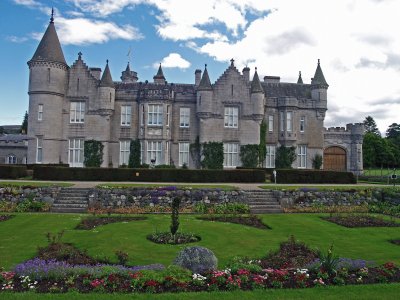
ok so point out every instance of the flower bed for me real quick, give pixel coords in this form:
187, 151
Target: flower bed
396, 242
93, 222
56, 277
353, 221
252, 220
176, 239
6, 217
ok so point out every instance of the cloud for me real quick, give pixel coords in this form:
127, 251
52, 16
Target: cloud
16, 39
288, 41
29, 3
173, 60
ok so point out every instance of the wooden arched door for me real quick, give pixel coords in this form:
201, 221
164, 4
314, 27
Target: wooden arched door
335, 159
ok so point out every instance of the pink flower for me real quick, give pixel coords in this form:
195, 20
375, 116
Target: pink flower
8, 275
97, 282
243, 272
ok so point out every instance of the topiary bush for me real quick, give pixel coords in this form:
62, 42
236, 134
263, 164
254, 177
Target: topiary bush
197, 259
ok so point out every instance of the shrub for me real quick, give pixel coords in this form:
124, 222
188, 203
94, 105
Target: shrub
285, 156
213, 153
93, 152
314, 176
197, 259
249, 155
175, 215
134, 155
317, 161
122, 257
12, 172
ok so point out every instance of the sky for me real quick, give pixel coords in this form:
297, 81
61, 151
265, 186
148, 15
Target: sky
356, 40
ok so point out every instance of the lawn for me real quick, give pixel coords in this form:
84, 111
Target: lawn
365, 292
34, 183
20, 237
323, 187
179, 185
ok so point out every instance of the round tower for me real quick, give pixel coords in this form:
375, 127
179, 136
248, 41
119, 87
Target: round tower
257, 97
204, 94
106, 90
319, 87
48, 72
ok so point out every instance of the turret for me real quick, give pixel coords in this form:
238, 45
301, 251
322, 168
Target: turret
204, 94
319, 86
257, 96
246, 73
129, 76
300, 80
106, 90
159, 77
47, 87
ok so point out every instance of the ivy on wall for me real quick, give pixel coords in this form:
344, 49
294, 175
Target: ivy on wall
134, 155
213, 155
285, 156
249, 155
262, 147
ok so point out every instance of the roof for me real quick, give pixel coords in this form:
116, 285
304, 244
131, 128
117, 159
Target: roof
14, 137
205, 83
284, 89
256, 84
319, 77
49, 48
106, 79
300, 80
160, 74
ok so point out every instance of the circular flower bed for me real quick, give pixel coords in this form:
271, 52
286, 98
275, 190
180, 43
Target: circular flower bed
168, 238
251, 220
396, 242
5, 217
361, 221
93, 222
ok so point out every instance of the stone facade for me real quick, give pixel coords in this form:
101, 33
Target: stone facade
71, 104
13, 149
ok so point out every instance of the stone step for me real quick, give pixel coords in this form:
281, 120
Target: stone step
73, 198
65, 201
260, 197
266, 211
262, 202
68, 210
63, 194
70, 205
265, 206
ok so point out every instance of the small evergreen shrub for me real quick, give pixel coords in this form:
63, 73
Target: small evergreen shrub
93, 153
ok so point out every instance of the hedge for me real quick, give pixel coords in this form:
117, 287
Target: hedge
313, 176
12, 171
150, 175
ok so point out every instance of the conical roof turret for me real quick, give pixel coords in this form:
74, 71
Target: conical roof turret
319, 78
160, 74
205, 83
256, 84
49, 48
300, 80
106, 79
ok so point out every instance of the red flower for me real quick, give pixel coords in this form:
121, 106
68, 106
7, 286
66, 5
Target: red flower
151, 283
389, 265
243, 272
8, 275
95, 283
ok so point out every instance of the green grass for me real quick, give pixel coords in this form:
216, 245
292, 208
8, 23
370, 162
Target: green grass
35, 184
20, 236
355, 292
189, 186
378, 172
321, 187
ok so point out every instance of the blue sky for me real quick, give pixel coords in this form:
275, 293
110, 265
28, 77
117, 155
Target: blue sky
360, 58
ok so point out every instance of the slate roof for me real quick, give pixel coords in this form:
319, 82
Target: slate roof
319, 77
49, 48
256, 84
205, 83
14, 138
284, 89
160, 74
300, 80
106, 79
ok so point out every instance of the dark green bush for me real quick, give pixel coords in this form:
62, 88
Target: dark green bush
152, 175
12, 172
313, 176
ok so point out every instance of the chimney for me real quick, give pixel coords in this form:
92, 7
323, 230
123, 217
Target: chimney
272, 79
197, 77
246, 73
96, 72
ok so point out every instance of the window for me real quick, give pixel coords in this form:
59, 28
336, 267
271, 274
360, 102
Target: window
155, 115
231, 117
270, 123
77, 112
168, 112
184, 154
48, 75
39, 150
141, 151
75, 152
11, 159
154, 152
270, 157
124, 151
142, 115
281, 121
184, 117
40, 112
302, 123
289, 121
126, 115
231, 155
302, 156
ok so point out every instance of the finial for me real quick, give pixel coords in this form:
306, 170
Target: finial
52, 15
205, 66
232, 61
107, 61
256, 69
299, 73
318, 60
79, 55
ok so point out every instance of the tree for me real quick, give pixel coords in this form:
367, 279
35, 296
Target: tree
1, 130
369, 145
393, 131
249, 155
134, 155
175, 215
317, 161
285, 156
213, 153
93, 153
370, 126
24, 126
262, 147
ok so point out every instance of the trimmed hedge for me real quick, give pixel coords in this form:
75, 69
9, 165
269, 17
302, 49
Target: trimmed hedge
151, 175
12, 171
313, 176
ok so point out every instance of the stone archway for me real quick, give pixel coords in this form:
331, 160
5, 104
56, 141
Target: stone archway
335, 159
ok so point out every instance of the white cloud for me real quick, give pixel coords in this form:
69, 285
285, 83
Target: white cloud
173, 60
16, 39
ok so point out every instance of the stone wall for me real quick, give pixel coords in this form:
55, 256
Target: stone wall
16, 195
118, 198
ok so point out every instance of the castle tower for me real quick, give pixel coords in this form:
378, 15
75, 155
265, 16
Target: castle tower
319, 86
159, 77
300, 80
204, 94
106, 90
47, 87
129, 76
257, 97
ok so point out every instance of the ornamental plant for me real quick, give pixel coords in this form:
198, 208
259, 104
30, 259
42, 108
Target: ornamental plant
134, 155
175, 215
93, 153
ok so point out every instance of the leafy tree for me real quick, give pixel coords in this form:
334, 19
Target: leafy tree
195, 152
262, 147
134, 155
369, 144
24, 126
317, 161
285, 156
93, 153
213, 153
393, 131
370, 126
1, 130
249, 155
379, 152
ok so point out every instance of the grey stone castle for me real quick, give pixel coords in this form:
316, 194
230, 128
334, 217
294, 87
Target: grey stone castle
71, 104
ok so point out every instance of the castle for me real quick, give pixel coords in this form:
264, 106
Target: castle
71, 104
